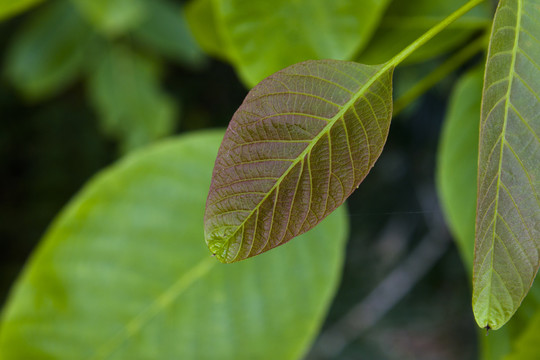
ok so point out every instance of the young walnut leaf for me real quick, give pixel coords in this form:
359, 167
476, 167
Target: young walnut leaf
507, 242
299, 145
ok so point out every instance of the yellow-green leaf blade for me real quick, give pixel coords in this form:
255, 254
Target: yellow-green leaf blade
456, 178
299, 145
457, 161
262, 37
405, 21
10, 8
201, 17
507, 242
123, 273
526, 338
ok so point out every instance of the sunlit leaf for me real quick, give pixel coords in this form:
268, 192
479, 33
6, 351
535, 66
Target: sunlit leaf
112, 17
201, 17
299, 145
49, 51
125, 89
10, 8
263, 36
457, 161
407, 20
507, 243
123, 273
165, 30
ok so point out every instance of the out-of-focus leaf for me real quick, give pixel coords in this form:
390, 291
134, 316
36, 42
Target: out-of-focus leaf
302, 141
201, 18
457, 161
526, 344
49, 51
263, 36
123, 273
456, 178
508, 341
165, 30
124, 87
10, 8
405, 21
507, 244
113, 17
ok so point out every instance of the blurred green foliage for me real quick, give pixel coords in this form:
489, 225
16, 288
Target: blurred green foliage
118, 48
456, 177
125, 91
405, 21
124, 273
94, 79
9, 8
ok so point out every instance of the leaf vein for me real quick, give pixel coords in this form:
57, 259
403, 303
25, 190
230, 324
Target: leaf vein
299, 93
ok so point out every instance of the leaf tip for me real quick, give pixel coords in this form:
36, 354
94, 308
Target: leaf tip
217, 244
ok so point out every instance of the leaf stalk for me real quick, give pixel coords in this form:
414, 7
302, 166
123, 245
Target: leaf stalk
441, 72
428, 35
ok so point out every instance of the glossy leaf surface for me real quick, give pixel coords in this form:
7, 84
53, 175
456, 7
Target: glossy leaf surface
10, 8
263, 36
507, 243
301, 142
123, 273
457, 161
124, 88
49, 51
405, 21
165, 30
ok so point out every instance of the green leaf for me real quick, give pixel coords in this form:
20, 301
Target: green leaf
507, 244
263, 36
456, 180
123, 274
299, 145
457, 161
9, 8
506, 343
201, 17
405, 21
526, 344
48, 53
165, 30
113, 17
125, 89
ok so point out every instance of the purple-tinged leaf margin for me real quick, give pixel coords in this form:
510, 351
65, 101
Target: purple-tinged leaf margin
301, 142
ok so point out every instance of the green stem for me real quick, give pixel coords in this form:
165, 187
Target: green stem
447, 67
396, 60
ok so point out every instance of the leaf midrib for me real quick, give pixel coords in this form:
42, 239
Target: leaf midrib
332, 121
165, 298
510, 80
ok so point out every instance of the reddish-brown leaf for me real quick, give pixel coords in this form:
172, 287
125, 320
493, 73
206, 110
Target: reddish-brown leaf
299, 145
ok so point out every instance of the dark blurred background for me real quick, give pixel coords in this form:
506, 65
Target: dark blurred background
51, 146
